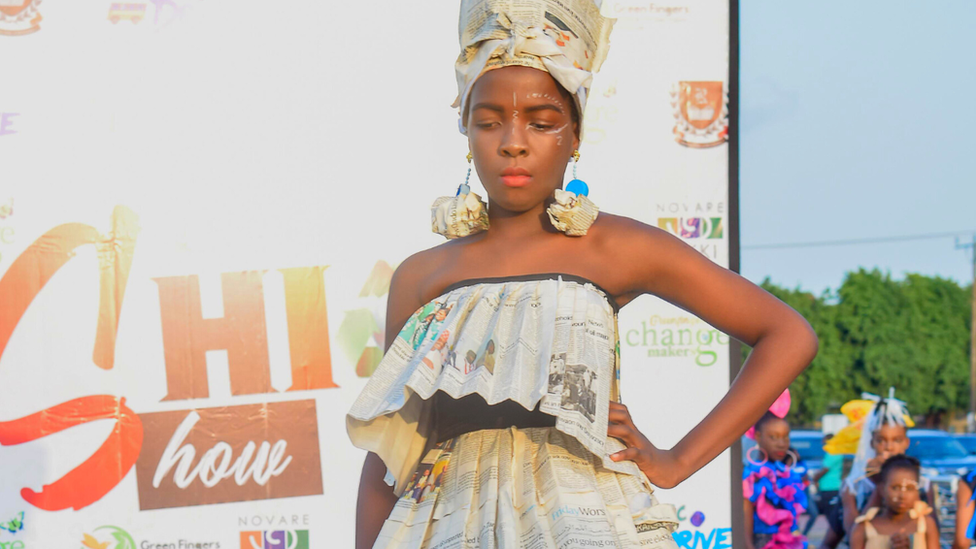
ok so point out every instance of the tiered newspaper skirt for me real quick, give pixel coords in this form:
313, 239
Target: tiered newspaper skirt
530, 488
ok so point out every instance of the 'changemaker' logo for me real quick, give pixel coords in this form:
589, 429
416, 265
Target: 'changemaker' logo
275, 539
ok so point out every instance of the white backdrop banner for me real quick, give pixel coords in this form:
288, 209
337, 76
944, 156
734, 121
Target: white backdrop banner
201, 206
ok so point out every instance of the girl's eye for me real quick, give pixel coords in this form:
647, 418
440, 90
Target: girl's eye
486, 125
542, 127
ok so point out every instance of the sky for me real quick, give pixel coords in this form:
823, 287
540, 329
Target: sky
857, 121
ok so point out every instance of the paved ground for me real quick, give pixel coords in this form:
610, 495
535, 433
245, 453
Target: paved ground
817, 533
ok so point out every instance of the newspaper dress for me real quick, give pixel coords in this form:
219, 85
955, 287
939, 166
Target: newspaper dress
548, 343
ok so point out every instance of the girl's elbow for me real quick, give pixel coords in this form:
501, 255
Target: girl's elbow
812, 345
806, 341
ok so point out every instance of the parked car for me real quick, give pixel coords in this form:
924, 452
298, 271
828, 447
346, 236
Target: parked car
968, 442
939, 452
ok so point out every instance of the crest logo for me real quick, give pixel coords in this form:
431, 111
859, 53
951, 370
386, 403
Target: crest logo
701, 113
126, 12
19, 17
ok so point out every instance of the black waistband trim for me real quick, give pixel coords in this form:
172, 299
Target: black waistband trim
531, 277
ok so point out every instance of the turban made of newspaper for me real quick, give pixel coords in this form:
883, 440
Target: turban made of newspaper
566, 38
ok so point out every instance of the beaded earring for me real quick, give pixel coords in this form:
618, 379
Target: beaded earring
572, 212
463, 214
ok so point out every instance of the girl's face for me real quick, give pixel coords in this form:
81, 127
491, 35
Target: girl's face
900, 490
890, 440
521, 134
774, 439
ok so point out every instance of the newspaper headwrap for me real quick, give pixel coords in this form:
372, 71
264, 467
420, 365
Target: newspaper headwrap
883, 411
566, 38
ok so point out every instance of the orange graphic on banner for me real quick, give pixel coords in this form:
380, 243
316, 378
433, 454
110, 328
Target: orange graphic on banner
29, 273
308, 329
19, 17
97, 475
187, 336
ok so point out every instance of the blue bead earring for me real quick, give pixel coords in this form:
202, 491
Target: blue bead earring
572, 212
463, 188
577, 186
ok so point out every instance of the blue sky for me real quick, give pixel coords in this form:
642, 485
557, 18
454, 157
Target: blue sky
857, 121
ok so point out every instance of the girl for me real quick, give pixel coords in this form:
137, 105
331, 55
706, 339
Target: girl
541, 274
773, 488
903, 521
965, 519
879, 430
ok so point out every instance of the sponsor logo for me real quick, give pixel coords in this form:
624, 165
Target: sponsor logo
678, 337
126, 12
649, 10
218, 455
19, 17
361, 334
698, 536
700, 224
274, 539
13, 525
701, 113
7, 118
272, 521
108, 537
693, 227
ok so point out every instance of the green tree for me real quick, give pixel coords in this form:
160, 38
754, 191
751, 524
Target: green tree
875, 333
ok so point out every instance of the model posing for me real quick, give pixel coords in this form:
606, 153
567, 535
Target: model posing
536, 450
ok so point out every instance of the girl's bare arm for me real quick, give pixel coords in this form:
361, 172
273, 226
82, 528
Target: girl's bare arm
782, 342
748, 510
964, 513
931, 532
376, 499
858, 537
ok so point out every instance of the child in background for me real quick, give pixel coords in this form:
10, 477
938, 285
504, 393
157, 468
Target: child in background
965, 525
828, 485
772, 486
903, 521
878, 430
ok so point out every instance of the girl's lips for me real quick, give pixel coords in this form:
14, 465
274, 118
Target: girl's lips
516, 180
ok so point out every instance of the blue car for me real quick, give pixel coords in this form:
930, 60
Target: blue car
968, 442
939, 452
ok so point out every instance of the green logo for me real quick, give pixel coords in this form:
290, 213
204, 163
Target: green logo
361, 334
117, 539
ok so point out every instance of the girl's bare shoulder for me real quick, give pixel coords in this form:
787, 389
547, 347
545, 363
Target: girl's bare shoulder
621, 231
423, 275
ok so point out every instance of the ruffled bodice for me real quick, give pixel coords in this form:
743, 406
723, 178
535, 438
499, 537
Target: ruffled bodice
546, 342
776, 490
